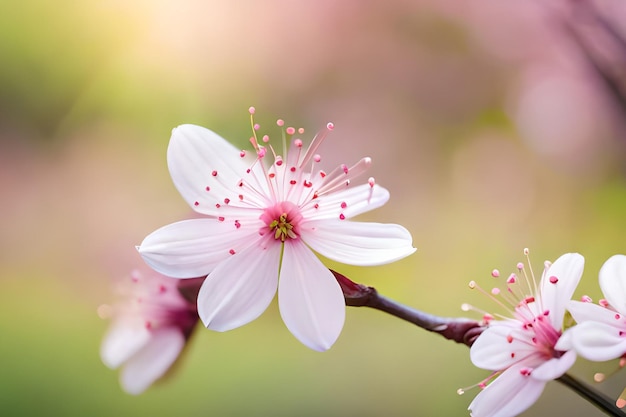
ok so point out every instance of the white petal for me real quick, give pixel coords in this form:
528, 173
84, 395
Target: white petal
492, 350
125, 337
583, 311
554, 296
357, 200
598, 341
151, 362
613, 282
192, 248
240, 288
310, 299
199, 158
555, 367
565, 342
358, 243
509, 395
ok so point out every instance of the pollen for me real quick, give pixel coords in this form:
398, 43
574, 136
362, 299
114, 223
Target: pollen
282, 228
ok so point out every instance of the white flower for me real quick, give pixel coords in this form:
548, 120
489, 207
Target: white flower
523, 351
600, 334
149, 329
264, 219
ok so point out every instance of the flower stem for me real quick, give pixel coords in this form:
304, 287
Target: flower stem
461, 330
591, 395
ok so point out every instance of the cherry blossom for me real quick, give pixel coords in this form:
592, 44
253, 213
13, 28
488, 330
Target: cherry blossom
523, 351
265, 215
600, 334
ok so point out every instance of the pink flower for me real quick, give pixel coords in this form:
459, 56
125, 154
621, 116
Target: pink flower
600, 334
265, 217
150, 329
523, 351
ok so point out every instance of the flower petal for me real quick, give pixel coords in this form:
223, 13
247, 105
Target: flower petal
598, 341
565, 342
613, 282
492, 349
151, 362
310, 299
192, 248
199, 158
509, 395
357, 243
240, 288
555, 367
583, 311
556, 293
356, 200
124, 338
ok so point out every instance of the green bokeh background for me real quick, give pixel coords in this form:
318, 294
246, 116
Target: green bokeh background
448, 99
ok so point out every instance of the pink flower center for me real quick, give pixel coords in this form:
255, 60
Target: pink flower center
282, 220
543, 335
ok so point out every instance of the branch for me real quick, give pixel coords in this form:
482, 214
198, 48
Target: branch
594, 397
461, 330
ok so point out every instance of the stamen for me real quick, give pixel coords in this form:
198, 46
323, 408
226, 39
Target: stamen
342, 175
535, 288
318, 139
255, 127
482, 384
621, 401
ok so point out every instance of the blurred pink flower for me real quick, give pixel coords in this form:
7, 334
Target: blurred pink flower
263, 222
149, 329
600, 334
523, 352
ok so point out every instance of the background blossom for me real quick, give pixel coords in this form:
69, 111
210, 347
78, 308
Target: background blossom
149, 328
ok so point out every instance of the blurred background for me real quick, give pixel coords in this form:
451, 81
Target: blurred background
495, 126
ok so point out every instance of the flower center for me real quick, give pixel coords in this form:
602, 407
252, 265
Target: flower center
282, 220
282, 228
544, 336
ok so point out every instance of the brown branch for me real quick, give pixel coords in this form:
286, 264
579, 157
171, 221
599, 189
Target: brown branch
461, 330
